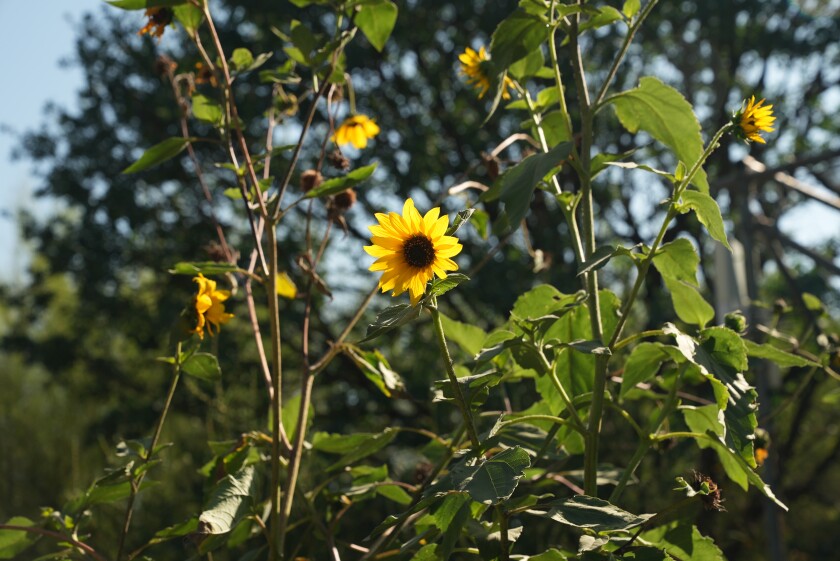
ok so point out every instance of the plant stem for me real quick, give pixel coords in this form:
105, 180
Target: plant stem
503, 530
136, 482
453, 379
276, 398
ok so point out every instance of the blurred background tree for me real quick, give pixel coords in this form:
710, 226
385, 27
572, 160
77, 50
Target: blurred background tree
80, 337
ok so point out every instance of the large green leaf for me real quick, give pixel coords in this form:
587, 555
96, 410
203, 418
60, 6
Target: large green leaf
143, 4
376, 19
158, 153
339, 184
206, 109
708, 213
467, 336
689, 304
229, 502
678, 260
204, 366
642, 365
518, 183
592, 513
12, 542
782, 358
664, 113
354, 447
683, 541
516, 37
391, 318
490, 480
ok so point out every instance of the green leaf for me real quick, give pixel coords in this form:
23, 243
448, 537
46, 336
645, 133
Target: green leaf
516, 37
189, 16
689, 305
555, 127
527, 66
460, 219
683, 541
518, 183
339, 184
549, 555
604, 16
631, 8
176, 531
708, 213
203, 366
204, 267
491, 480
642, 365
439, 287
678, 260
467, 336
782, 358
354, 447
663, 112
158, 153
598, 515
376, 368
229, 502
241, 59
376, 19
601, 257
206, 109
143, 4
13, 542
391, 318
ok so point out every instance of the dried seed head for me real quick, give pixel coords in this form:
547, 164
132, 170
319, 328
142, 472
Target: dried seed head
165, 65
310, 179
491, 164
711, 499
338, 160
344, 200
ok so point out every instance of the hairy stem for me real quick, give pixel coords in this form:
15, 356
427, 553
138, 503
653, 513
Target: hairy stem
276, 398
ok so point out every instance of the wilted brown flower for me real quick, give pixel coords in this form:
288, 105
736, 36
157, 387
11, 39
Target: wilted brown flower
310, 179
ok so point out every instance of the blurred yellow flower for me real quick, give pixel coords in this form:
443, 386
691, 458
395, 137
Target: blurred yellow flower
411, 249
473, 67
159, 18
356, 130
753, 119
209, 306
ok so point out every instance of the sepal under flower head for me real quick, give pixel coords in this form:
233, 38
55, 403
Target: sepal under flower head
752, 119
159, 18
411, 249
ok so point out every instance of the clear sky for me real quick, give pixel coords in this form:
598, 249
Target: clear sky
36, 35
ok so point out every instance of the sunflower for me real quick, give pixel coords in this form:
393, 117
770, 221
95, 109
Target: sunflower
159, 18
209, 307
356, 130
753, 119
412, 249
474, 68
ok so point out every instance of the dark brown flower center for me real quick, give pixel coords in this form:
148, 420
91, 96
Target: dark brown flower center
419, 251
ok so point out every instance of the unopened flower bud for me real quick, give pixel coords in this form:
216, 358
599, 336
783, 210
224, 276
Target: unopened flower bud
735, 321
338, 160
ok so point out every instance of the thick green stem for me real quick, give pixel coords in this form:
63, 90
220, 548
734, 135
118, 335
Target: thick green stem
503, 531
466, 413
276, 401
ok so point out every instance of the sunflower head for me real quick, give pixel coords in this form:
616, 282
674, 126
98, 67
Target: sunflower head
475, 65
158, 18
209, 307
411, 249
356, 130
752, 119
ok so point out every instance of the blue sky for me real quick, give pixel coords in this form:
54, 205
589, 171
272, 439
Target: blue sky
37, 34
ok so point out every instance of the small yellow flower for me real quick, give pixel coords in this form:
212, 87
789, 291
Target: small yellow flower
159, 18
209, 307
356, 130
753, 119
411, 249
474, 68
